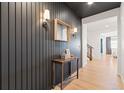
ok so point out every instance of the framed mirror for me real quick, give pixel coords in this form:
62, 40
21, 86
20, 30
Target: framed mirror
61, 30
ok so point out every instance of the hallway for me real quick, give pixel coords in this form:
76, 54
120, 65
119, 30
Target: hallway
98, 75
36, 35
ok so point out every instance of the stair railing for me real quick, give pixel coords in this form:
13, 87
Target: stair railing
89, 52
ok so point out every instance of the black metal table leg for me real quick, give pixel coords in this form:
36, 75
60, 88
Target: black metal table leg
62, 76
53, 74
77, 68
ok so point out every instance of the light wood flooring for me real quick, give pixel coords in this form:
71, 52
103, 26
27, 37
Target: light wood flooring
97, 75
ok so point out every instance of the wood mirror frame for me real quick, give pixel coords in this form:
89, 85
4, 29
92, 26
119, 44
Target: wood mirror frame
62, 23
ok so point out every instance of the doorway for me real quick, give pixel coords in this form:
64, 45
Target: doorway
101, 45
108, 45
100, 35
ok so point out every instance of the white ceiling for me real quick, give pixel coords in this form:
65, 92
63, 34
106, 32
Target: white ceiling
105, 25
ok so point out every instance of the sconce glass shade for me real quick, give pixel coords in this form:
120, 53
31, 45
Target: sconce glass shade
75, 30
90, 3
46, 14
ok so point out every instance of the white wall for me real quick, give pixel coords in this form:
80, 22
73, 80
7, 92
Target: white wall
93, 39
84, 44
121, 42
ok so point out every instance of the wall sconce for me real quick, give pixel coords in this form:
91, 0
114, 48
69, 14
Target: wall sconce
46, 18
74, 32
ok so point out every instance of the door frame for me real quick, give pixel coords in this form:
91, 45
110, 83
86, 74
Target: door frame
85, 21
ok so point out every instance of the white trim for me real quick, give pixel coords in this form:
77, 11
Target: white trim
84, 44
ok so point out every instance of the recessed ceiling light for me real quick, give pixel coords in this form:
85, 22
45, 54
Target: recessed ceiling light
106, 26
89, 3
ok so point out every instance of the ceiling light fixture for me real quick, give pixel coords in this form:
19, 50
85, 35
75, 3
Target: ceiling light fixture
46, 18
107, 26
74, 32
89, 3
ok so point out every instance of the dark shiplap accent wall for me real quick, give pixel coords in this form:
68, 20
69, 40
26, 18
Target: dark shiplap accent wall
27, 49
0, 44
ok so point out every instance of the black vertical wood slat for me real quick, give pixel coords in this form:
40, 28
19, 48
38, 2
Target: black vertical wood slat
51, 40
58, 15
35, 49
52, 25
57, 47
42, 37
54, 16
0, 46
11, 45
29, 43
63, 44
49, 49
41, 71
18, 45
24, 46
37, 45
47, 54
4, 46
44, 53
57, 44
33, 45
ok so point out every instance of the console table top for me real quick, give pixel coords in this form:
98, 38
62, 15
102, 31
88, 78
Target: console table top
60, 60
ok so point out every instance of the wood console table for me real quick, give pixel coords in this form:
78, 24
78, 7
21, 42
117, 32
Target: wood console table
62, 61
